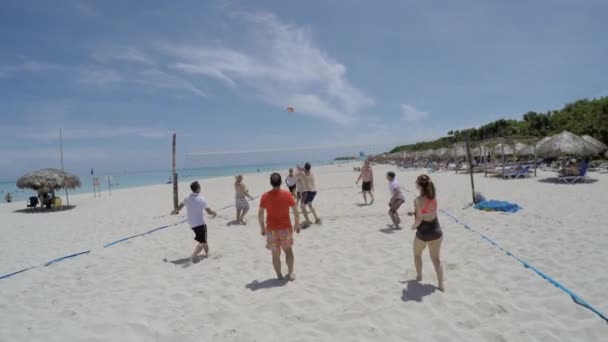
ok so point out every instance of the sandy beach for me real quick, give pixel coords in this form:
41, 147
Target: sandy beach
354, 274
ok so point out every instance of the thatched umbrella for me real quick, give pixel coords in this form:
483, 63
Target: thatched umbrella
47, 180
443, 153
459, 150
542, 141
566, 144
508, 150
601, 147
427, 154
522, 149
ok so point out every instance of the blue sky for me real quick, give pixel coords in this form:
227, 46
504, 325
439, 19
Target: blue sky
119, 76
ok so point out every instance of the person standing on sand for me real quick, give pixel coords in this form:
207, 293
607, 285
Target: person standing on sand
428, 229
299, 180
309, 192
242, 206
290, 181
396, 200
367, 176
277, 228
195, 204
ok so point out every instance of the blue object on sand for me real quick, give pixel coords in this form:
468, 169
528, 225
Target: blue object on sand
492, 205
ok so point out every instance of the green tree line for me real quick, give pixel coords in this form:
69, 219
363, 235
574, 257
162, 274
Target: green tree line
581, 117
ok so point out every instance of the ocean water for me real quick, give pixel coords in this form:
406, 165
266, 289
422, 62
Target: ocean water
126, 180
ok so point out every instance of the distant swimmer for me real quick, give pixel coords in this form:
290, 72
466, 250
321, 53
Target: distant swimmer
195, 205
367, 176
428, 229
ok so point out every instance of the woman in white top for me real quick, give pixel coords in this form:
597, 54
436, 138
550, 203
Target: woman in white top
396, 200
290, 181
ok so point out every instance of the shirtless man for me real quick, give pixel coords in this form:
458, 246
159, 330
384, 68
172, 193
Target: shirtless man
368, 181
308, 193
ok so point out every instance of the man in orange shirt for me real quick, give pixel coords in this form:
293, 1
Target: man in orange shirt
277, 227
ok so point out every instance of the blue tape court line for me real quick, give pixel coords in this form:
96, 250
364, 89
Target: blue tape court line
66, 257
576, 298
129, 238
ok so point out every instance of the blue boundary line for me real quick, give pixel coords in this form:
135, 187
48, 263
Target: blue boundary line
576, 298
126, 239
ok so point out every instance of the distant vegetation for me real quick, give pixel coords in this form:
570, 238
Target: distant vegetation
345, 158
581, 117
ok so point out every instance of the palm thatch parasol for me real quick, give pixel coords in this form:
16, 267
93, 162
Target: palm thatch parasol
508, 150
443, 153
601, 147
459, 150
427, 154
522, 149
566, 144
48, 180
542, 141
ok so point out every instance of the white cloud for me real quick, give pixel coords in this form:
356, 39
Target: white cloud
99, 132
30, 66
412, 114
156, 78
85, 8
284, 68
129, 54
43, 133
150, 78
100, 76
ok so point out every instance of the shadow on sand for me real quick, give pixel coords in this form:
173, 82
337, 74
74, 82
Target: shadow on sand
266, 284
388, 230
415, 291
186, 262
44, 210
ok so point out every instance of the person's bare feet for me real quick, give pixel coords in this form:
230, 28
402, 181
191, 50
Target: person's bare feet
440, 287
291, 277
279, 276
318, 221
418, 277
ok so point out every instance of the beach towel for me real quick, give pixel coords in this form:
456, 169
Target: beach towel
492, 205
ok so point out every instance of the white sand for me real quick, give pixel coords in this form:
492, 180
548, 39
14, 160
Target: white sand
354, 276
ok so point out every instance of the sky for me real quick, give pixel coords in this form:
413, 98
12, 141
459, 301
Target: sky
119, 77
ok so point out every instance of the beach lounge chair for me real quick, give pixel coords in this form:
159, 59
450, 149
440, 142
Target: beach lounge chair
32, 202
523, 173
581, 177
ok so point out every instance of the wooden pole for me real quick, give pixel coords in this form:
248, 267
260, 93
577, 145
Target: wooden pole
502, 147
471, 170
535, 160
67, 198
175, 200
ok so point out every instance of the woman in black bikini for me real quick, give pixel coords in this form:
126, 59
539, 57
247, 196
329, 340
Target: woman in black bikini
428, 230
